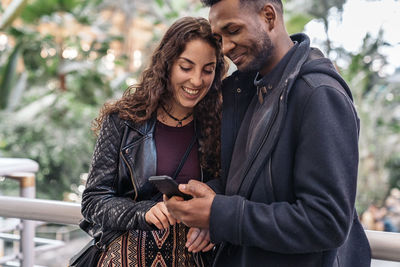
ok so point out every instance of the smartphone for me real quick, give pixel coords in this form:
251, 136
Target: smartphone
168, 186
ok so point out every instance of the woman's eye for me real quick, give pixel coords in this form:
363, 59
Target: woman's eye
208, 71
184, 69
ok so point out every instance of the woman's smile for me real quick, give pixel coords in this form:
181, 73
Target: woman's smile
190, 91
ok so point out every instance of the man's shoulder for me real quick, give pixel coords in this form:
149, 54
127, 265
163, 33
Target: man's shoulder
317, 79
320, 72
230, 79
320, 83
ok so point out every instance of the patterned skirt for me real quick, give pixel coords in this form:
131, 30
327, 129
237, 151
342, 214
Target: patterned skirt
157, 248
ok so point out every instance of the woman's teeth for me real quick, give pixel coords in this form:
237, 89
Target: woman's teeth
190, 91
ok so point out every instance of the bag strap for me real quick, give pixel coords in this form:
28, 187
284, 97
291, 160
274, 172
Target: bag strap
185, 156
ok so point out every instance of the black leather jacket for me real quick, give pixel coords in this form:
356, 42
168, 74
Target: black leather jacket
117, 194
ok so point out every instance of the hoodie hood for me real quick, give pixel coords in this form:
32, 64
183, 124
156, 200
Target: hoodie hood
316, 62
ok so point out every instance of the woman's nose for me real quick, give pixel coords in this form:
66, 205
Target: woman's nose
196, 80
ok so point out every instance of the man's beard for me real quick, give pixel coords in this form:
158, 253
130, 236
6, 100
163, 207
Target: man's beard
263, 51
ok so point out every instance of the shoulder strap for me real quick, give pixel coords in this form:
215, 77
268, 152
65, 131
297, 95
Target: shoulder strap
185, 156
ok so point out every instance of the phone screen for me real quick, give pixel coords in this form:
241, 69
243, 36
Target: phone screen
168, 186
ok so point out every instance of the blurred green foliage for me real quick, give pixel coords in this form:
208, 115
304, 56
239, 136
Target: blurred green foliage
39, 8
48, 106
59, 97
377, 101
58, 137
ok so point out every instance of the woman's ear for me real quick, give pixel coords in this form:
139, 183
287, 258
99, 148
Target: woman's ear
269, 16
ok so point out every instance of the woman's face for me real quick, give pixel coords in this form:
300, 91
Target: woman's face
192, 75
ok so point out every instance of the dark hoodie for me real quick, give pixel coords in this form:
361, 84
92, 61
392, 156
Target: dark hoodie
289, 164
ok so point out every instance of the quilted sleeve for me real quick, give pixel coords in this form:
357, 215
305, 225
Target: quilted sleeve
100, 203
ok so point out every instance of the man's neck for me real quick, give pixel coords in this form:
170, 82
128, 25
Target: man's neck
280, 50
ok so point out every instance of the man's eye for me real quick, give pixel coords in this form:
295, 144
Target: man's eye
233, 31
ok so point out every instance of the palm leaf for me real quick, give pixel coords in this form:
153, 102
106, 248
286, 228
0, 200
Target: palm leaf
11, 12
8, 75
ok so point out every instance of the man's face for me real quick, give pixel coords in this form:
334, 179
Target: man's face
242, 32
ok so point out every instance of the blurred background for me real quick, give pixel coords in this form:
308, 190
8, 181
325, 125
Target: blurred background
60, 60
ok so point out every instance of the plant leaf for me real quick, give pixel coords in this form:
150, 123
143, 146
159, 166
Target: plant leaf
11, 12
160, 3
16, 94
8, 76
296, 22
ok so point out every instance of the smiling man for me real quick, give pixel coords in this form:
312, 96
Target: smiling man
289, 150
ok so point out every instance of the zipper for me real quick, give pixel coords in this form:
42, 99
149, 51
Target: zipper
235, 120
270, 177
265, 136
131, 173
221, 247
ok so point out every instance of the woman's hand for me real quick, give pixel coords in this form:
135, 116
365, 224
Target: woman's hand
159, 216
198, 240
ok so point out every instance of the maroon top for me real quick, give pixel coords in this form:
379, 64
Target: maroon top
171, 145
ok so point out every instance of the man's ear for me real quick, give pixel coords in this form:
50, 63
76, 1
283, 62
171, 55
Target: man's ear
269, 15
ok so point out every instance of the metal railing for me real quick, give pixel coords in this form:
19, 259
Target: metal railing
23, 171
40, 210
384, 245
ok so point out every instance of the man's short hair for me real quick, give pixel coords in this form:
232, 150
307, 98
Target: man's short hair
256, 4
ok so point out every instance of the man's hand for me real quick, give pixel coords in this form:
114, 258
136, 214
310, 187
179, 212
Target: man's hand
159, 216
198, 240
194, 212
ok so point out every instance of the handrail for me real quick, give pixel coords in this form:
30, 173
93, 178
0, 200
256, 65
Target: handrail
14, 165
23, 171
384, 245
40, 210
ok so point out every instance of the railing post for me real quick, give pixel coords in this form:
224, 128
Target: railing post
27, 245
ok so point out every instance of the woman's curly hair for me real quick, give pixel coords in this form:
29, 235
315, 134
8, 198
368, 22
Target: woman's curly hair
140, 102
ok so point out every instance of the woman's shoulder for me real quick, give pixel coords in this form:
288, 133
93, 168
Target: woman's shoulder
115, 119
120, 122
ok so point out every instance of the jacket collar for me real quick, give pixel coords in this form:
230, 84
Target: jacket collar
272, 78
297, 60
145, 127
149, 126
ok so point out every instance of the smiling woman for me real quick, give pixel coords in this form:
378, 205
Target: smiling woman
168, 124
191, 77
